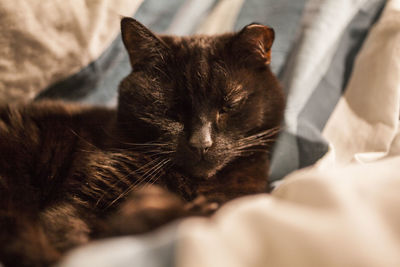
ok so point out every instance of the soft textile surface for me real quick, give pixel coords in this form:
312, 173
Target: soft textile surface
153, 250
42, 42
337, 217
365, 123
342, 212
316, 74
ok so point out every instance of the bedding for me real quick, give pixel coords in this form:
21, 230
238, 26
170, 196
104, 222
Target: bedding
341, 122
316, 75
343, 211
43, 42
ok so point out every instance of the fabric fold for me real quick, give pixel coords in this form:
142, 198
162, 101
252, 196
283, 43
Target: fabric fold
43, 42
367, 116
342, 212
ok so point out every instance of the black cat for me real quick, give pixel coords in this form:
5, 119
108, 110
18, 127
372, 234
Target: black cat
195, 122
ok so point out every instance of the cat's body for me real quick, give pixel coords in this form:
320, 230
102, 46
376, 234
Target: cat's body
196, 118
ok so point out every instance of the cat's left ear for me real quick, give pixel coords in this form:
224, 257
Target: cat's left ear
143, 46
254, 43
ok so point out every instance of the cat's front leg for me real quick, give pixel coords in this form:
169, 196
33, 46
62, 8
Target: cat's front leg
151, 207
65, 226
144, 210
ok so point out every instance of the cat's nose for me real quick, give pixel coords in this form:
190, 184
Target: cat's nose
201, 139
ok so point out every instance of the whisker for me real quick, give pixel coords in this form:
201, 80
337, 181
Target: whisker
120, 180
142, 167
156, 175
146, 175
266, 133
83, 139
259, 143
157, 161
129, 174
156, 168
143, 177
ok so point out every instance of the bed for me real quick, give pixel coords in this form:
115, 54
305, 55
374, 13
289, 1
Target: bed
335, 165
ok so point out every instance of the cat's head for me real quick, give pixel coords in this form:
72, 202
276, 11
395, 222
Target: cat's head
200, 101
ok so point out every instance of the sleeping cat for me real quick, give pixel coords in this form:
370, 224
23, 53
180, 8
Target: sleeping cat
195, 122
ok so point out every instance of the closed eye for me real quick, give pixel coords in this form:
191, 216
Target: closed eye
231, 105
228, 108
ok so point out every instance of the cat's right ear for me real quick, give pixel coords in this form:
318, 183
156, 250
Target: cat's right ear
253, 44
142, 45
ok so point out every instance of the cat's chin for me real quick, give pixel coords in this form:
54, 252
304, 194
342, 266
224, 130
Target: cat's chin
206, 175
204, 169
200, 171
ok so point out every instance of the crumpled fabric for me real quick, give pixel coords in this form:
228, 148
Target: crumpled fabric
344, 211
315, 76
42, 42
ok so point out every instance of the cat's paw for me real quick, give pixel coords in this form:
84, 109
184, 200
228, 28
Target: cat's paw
144, 210
201, 206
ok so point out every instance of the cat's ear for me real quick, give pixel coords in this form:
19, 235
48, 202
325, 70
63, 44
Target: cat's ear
253, 43
142, 45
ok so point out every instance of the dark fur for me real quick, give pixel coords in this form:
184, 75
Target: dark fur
69, 174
